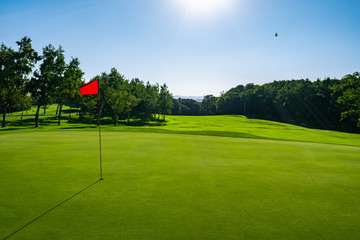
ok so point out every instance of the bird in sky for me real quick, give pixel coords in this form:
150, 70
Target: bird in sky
276, 34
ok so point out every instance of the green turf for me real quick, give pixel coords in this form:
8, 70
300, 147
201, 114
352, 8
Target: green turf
50, 110
228, 126
181, 186
240, 126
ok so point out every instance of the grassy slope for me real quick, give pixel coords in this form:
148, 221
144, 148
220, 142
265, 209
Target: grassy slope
176, 186
228, 126
240, 126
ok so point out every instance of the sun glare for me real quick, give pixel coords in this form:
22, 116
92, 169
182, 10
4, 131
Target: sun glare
205, 8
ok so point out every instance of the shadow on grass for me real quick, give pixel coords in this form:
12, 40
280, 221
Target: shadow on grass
50, 210
200, 133
221, 134
45, 121
68, 111
78, 127
141, 123
9, 129
30, 122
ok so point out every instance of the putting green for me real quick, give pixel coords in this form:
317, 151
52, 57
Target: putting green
176, 186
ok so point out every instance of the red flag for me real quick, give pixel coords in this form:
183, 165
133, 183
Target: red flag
91, 88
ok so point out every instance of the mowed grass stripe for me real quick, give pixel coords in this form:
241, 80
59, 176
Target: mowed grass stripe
172, 186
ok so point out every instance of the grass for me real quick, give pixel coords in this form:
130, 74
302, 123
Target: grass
50, 110
226, 126
219, 177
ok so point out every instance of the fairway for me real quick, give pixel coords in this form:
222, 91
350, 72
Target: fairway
176, 186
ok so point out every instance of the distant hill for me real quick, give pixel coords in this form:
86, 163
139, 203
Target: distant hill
198, 99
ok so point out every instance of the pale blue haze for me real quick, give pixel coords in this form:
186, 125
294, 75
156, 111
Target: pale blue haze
157, 41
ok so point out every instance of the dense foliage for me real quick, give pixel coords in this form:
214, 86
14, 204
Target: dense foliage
15, 69
56, 81
121, 98
326, 104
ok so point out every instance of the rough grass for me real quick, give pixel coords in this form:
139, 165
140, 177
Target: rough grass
180, 186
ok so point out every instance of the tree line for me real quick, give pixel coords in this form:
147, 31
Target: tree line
121, 98
55, 81
29, 78
326, 104
21, 85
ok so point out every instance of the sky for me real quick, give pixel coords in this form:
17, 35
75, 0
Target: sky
196, 47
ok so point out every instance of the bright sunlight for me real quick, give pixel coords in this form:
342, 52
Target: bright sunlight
208, 8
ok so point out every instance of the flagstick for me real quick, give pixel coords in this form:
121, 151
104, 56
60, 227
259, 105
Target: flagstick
101, 178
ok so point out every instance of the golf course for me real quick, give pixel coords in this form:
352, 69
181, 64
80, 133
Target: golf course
193, 177
179, 120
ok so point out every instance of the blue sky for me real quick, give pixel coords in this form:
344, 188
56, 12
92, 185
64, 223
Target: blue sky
195, 52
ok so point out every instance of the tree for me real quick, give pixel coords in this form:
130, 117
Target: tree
151, 100
165, 101
117, 98
15, 67
208, 104
109, 85
25, 62
349, 98
145, 97
119, 102
69, 77
246, 95
8, 88
43, 84
137, 88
